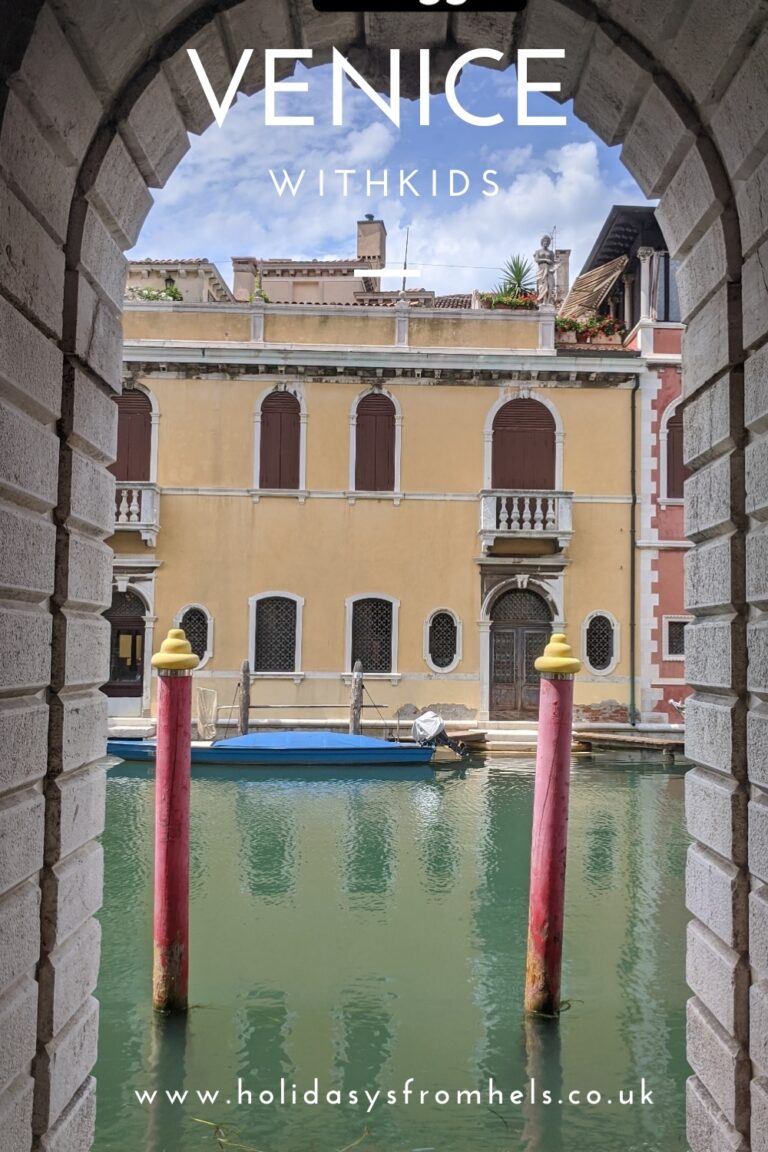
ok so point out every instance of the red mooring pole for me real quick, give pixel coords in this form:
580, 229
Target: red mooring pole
557, 666
170, 967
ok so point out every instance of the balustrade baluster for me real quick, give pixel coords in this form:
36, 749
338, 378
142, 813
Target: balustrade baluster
135, 507
538, 518
515, 525
527, 514
551, 519
122, 508
503, 514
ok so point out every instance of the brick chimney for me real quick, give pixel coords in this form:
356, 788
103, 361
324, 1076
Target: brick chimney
372, 241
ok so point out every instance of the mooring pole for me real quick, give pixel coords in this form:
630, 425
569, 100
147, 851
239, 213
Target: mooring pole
557, 666
245, 699
170, 967
356, 699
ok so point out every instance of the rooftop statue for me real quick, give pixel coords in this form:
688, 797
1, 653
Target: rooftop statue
547, 264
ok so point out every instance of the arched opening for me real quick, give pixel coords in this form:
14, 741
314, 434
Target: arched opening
375, 448
521, 624
279, 461
127, 653
523, 447
674, 84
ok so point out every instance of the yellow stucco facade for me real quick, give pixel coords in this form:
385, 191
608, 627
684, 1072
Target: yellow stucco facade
221, 541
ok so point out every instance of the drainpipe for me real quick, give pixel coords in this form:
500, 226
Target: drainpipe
633, 557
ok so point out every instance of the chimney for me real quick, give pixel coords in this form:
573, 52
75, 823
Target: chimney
372, 241
563, 256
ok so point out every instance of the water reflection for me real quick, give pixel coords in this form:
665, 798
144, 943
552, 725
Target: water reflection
362, 930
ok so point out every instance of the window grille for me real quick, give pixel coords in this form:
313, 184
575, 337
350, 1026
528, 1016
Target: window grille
519, 607
372, 635
442, 639
126, 606
275, 648
600, 643
676, 637
195, 625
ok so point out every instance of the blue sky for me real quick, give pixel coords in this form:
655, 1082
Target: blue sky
221, 201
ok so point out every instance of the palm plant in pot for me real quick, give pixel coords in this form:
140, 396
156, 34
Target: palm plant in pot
516, 289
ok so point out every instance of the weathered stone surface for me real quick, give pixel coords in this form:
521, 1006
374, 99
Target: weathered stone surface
99, 336
708, 499
30, 365
757, 567
756, 391
63, 1064
54, 86
752, 202
610, 90
26, 558
43, 178
72, 892
90, 422
740, 121
720, 978
74, 1129
755, 276
89, 492
31, 263
16, 1115
656, 141
18, 1019
704, 43
693, 198
25, 639
19, 932
758, 1027
758, 931
111, 39
80, 650
709, 652
708, 1130
703, 270
708, 423
759, 1130
716, 811
29, 460
720, 1063
758, 838
89, 583
121, 194
709, 572
67, 977
154, 132
78, 729
716, 893
757, 744
22, 820
711, 736
549, 24
102, 259
75, 811
188, 94
706, 347
757, 478
757, 647
24, 740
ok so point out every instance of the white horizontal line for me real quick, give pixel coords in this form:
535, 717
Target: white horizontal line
388, 273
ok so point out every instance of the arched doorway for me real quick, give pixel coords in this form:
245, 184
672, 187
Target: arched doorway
521, 624
125, 686
523, 447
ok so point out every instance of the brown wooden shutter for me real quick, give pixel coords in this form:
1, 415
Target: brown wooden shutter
280, 441
523, 453
677, 473
375, 445
134, 436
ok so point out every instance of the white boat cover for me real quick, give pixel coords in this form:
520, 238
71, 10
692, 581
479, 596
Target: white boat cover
426, 727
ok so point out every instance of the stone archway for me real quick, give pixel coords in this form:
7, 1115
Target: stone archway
95, 110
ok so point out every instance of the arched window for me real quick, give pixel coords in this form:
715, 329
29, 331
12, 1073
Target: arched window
677, 473
523, 447
134, 436
373, 634
280, 445
375, 436
126, 616
198, 626
276, 633
442, 641
600, 642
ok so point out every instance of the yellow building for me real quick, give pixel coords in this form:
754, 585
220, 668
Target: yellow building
418, 482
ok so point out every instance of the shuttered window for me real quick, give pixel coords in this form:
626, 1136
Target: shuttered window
280, 441
523, 453
372, 634
375, 444
275, 641
134, 436
677, 473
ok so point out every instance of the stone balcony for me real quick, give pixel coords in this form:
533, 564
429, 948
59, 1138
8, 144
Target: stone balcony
137, 509
536, 517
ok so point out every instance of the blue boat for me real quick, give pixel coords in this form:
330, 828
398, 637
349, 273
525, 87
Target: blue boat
317, 749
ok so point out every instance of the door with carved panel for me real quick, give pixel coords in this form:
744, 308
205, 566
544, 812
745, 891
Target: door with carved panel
521, 625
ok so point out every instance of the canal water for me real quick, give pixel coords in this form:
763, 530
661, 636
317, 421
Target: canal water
352, 931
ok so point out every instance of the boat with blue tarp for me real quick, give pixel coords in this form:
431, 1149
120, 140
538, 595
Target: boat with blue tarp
318, 749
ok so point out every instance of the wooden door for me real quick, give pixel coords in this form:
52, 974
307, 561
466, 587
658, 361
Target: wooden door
126, 667
520, 630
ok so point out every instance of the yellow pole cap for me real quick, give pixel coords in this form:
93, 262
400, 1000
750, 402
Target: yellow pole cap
175, 653
558, 658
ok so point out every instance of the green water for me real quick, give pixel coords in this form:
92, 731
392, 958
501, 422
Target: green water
364, 929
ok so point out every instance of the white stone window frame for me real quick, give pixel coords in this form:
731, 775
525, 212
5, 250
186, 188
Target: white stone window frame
209, 635
458, 653
664, 499
616, 642
665, 622
300, 493
297, 675
393, 676
395, 495
522, 392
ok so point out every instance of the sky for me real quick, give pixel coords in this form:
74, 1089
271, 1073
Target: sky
222, 202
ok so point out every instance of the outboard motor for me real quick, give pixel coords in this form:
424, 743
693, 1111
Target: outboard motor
429, 729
